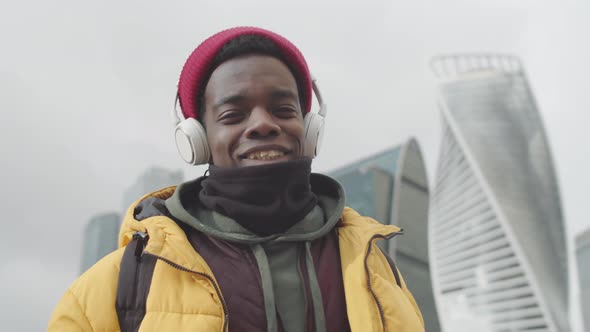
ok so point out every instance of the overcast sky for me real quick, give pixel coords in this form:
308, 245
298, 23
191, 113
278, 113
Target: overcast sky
86, 90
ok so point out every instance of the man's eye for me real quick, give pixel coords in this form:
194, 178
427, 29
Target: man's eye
285, 112
231, 116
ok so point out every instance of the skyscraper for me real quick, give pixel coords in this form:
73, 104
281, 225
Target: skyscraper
100, 238
392, 187
151, 179
583, 260
497, 241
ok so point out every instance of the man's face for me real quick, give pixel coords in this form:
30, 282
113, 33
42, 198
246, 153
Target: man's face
253, 115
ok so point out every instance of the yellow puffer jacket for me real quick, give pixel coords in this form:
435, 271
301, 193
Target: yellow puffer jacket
180, 300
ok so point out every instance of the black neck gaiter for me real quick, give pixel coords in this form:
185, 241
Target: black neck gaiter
266, 199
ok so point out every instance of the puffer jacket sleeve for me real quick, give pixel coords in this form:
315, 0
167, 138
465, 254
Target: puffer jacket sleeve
69, 316
89, 303
403, 286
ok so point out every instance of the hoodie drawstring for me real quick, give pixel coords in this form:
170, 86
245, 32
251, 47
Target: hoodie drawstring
316, 294
267, 288
268, 291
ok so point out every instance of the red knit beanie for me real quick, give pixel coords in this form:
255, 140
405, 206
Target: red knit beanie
197, 67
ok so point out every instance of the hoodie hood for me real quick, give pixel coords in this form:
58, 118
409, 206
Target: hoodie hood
151, 214
319, 221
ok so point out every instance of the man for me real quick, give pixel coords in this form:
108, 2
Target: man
260, 244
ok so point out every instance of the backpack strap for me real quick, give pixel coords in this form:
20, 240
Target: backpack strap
135, 278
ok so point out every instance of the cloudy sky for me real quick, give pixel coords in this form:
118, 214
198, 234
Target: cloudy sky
86, 90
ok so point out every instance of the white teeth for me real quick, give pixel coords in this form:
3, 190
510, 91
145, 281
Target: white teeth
265, 155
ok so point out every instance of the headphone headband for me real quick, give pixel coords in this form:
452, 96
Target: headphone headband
175, 115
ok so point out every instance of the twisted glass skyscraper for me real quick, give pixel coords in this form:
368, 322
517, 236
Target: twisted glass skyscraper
497, 243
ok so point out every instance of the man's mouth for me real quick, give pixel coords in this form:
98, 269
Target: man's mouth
265, 155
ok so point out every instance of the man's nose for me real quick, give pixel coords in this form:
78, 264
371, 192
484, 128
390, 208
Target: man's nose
261, 123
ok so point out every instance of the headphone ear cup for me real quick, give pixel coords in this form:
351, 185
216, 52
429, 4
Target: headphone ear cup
191, 142
314, 132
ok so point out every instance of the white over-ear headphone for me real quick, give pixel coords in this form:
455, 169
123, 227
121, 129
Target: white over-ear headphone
191, 138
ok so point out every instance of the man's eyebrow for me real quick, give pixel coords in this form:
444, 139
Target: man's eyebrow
231, 99
283, 93
239, 98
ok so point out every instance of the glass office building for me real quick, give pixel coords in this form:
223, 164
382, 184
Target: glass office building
100, 238
392, 188
150, 180
583, 260
497, 241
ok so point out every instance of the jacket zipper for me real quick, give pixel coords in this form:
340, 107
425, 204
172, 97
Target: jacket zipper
379, 306
210, 278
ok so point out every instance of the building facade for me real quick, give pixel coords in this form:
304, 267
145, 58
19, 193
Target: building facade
100, 238
150, 180
497, 241
392, 188
583, 260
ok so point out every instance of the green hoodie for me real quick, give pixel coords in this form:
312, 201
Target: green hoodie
276, 255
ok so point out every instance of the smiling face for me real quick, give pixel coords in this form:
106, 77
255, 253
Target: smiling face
253, 115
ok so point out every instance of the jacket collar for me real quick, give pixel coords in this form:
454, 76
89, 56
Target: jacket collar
168, 240
363, 229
